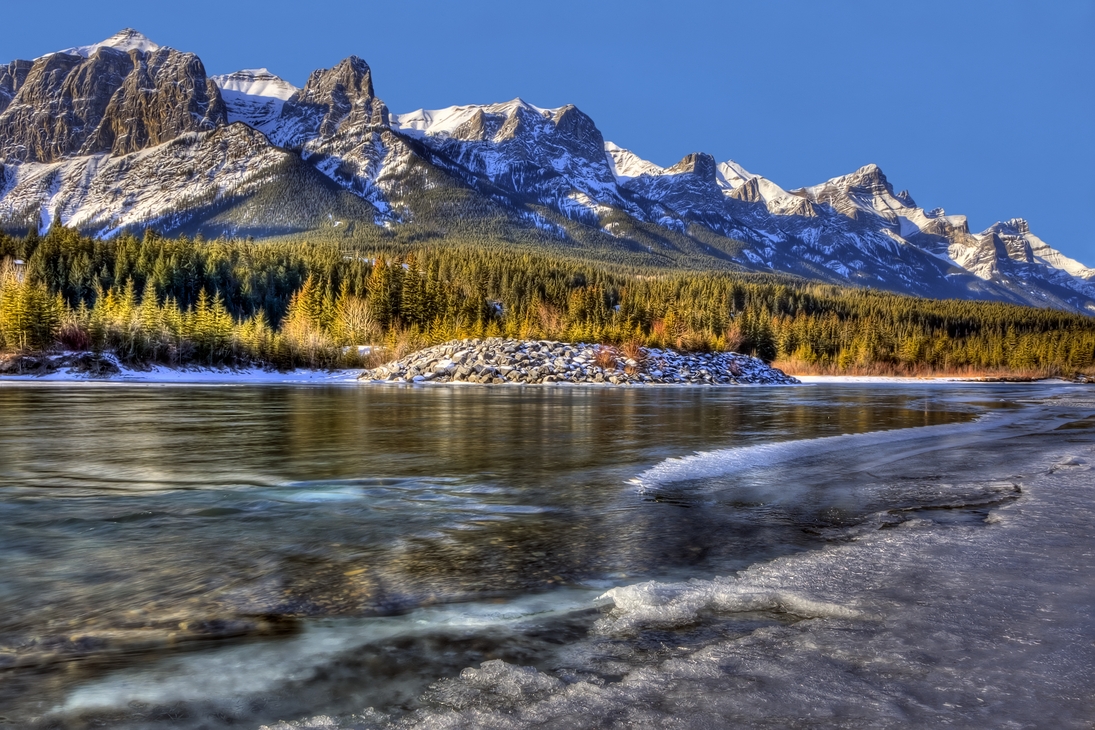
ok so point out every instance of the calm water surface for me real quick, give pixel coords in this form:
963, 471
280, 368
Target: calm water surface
228, 556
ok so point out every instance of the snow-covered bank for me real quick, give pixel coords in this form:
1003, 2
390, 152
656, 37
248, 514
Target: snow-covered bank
86, 368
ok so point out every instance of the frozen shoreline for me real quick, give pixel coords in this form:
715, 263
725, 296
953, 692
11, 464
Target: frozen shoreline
196, 375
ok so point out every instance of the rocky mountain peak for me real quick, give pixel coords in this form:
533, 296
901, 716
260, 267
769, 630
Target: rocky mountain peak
868, 179
1012, 227
343, 93
573, 123
348, 81
119, 96
165, 94
700, 164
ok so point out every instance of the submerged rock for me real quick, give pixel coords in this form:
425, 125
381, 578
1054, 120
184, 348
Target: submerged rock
498, 361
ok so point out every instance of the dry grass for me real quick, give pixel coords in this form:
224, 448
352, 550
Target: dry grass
397, 345
633, 350
605, 358
903, 370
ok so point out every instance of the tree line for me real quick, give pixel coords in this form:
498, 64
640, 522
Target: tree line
183, 300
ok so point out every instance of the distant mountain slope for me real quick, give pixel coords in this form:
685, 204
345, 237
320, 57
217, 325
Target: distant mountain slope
126, 134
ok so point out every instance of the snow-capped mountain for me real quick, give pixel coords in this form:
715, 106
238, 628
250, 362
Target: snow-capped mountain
125, 40
254, 96
126, 134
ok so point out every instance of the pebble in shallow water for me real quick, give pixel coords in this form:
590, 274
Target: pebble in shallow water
498, 361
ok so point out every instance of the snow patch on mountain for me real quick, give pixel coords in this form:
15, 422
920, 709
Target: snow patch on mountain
626, 165
732, 176
254, 96
255, 82
109, 193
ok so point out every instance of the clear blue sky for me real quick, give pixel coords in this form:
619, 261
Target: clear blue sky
986, 108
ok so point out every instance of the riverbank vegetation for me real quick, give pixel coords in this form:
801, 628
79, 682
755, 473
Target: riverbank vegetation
186, 301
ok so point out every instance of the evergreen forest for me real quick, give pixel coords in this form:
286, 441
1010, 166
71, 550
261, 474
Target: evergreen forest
181, 301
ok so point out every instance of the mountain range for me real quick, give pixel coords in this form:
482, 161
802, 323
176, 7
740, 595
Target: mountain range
125, 135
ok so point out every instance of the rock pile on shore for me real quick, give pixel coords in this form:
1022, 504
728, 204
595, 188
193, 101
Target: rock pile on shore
498, 361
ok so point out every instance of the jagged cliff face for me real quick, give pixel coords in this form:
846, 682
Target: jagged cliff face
12, 77
333, 97
165, 94
104, 99
60, 105
124, 134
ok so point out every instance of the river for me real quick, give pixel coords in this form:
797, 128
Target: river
361, 556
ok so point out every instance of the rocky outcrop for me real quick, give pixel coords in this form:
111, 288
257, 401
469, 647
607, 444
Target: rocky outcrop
166, 94
499, 361
60, 105
88, 364
332, 98
110, 100
12, 77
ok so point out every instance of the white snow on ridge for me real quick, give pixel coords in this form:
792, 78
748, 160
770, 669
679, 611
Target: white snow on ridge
626, 165
254, 96
733, 175
256, 82
436, 122
124, 40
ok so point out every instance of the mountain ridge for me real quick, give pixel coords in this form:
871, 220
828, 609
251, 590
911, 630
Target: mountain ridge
126, 134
